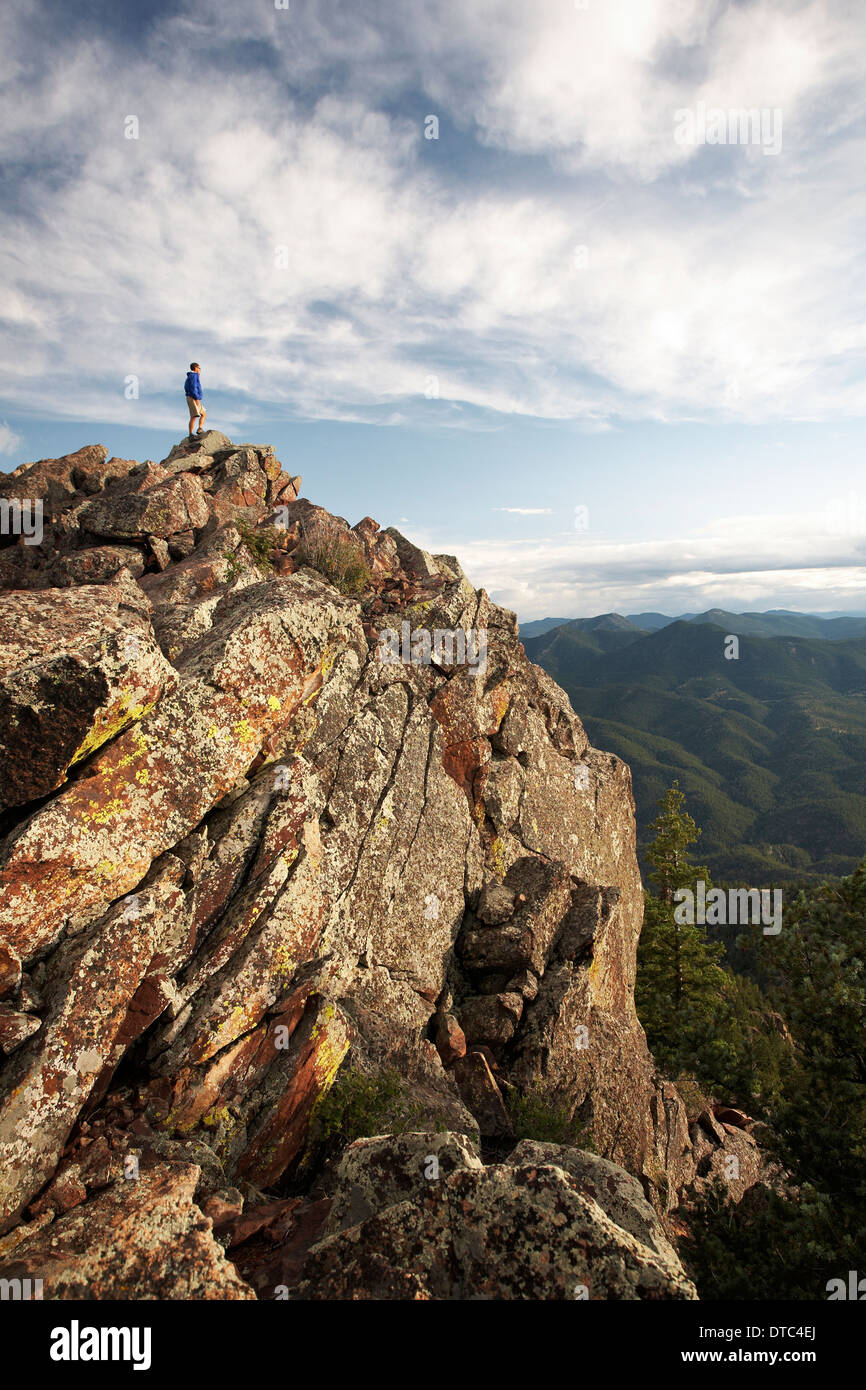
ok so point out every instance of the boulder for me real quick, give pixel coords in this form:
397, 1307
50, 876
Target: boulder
191, 454
617, 1192
512, 1230
378, 1173
78, 665
491, 1018
58, 481
15, 1027
527, 936
175, 505
450, 1039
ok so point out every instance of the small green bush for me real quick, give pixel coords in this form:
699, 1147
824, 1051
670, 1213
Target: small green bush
339, 557
261, 544
358, 1106
235, 568
536, 1114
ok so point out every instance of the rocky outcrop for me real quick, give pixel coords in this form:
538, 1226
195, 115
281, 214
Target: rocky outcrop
724, 1149
421, 1217
264, 826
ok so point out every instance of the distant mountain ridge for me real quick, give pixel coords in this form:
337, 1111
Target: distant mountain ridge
539, 626
770, 748
776, 622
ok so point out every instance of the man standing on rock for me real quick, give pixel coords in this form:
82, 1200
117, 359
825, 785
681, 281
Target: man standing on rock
192, 388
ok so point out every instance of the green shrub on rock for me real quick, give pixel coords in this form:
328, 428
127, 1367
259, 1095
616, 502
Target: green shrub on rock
335, 555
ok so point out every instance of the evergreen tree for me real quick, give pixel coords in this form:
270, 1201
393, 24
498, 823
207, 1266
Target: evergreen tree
820, 987
701, 1020
674, 831
680, 989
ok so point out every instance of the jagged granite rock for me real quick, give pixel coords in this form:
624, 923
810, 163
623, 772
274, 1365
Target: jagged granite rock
57, 481
94, 984
239, 684
139, 1239
167, 507
422, 1218
77, 666
253, 852
618, 1193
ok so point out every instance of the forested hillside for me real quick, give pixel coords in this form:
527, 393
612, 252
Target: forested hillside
769, 746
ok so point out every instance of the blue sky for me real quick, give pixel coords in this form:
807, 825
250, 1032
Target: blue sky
553, 305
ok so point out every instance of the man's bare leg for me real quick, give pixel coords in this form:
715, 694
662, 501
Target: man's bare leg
201, 421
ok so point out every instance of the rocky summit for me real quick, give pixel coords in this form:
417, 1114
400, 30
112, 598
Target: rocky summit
293, 832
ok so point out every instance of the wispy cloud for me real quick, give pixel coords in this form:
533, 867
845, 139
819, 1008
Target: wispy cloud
9, 440
283, 217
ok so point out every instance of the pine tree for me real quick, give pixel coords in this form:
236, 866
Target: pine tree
674, 830
681, 990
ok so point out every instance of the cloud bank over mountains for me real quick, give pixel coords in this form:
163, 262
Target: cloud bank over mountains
733, 563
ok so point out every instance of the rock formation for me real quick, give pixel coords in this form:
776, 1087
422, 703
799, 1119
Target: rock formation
245, 852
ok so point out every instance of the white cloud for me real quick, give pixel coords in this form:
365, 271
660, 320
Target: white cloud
720, 284
9, 440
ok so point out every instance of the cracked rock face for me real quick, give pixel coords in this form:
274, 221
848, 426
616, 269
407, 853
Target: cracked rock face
244, 853
77, 665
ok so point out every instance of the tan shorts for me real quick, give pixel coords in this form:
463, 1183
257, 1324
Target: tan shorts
195, 407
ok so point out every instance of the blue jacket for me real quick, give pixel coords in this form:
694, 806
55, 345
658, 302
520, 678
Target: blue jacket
192, 386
